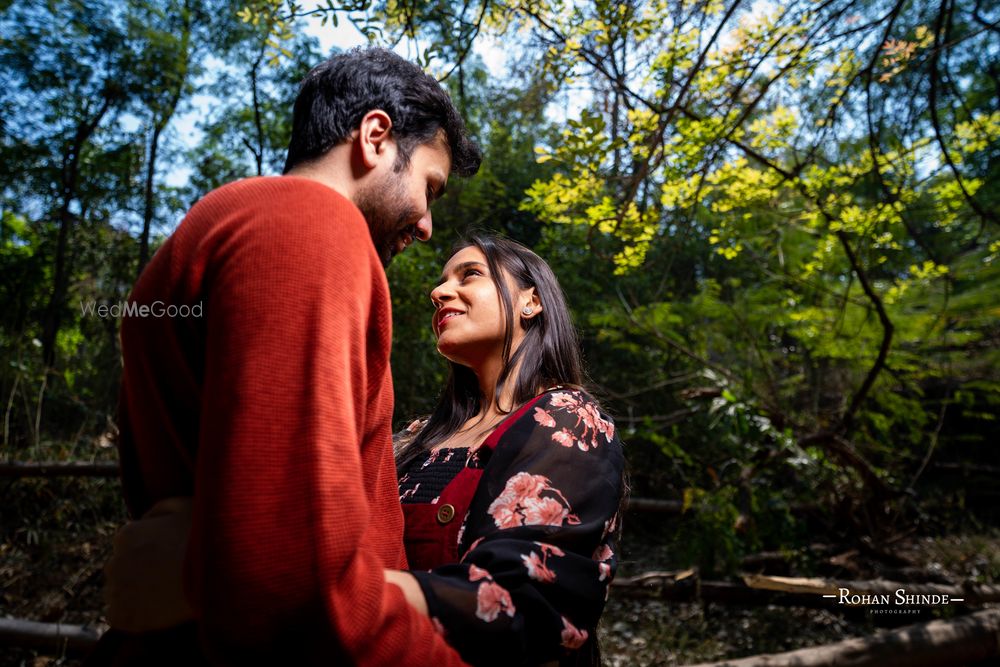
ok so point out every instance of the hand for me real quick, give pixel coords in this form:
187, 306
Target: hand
143, 580
411, 589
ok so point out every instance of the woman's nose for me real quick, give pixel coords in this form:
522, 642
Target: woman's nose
441, 295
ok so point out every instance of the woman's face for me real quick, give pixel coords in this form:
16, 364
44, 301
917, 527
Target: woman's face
468, 318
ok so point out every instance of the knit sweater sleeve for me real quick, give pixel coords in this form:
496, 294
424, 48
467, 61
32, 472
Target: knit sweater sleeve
280, 552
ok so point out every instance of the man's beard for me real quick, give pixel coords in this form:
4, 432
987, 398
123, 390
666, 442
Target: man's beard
384, 206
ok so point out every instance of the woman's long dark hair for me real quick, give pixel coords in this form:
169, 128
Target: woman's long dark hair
549, 353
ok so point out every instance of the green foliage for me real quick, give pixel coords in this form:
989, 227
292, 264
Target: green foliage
508, 128
419, 372
707, 529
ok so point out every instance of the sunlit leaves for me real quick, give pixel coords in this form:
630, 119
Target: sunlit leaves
975, 134
773, 130
897, 53
276, 17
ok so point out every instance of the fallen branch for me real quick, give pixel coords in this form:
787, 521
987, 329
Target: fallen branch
956, 642
53, 637
966, 468
676, 588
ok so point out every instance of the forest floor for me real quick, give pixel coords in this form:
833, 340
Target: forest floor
654, 633
56, 535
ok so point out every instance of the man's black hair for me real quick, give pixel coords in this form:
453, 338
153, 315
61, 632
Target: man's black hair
336, 94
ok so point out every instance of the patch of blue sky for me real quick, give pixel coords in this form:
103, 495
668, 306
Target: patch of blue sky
331, 38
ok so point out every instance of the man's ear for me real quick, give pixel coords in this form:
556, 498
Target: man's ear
374, 138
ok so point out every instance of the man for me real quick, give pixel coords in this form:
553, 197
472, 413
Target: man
274, 409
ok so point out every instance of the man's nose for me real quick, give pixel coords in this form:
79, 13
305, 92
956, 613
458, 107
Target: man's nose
424, 227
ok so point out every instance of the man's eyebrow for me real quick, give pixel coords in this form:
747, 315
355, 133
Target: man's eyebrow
458, 269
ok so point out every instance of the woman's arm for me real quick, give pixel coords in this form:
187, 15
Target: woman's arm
410, 587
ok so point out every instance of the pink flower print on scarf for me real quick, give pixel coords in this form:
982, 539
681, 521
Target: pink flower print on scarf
572, 637
593, 425
603, 554
471, 547
610, 526
561, 399
587, 415
544, 418
537, 566
504, 512
491, 600
544, 512
537, 569
550, 549
521, 504
565, 438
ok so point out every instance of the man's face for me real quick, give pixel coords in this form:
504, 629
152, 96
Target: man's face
397, 203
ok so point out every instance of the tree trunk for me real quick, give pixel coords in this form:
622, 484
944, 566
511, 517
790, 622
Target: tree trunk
160, 122
60, 275
956, 642
150, 203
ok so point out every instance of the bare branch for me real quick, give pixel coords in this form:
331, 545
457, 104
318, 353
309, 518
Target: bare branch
936, 121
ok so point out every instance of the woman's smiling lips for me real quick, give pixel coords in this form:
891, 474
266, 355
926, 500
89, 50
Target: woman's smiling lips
446, 314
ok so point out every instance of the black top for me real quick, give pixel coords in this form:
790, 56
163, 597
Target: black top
426, 476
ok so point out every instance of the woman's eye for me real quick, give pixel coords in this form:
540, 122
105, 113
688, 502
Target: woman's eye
471, 272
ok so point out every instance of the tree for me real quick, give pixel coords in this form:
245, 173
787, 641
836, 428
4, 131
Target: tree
793, 201
248, 127
66, 64
163, 63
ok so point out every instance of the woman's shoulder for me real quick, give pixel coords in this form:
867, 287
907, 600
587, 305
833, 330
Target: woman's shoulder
574, 417
571, 398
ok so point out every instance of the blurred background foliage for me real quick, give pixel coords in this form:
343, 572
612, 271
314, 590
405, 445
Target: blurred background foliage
777, 226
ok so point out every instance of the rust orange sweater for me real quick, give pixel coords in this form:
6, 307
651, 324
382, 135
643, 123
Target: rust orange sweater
273, 408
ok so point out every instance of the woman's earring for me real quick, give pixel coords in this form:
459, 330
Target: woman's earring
527, 310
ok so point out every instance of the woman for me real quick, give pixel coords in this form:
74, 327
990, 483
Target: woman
511, 489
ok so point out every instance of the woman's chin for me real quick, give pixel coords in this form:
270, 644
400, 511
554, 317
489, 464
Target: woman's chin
449, 351
454, 352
